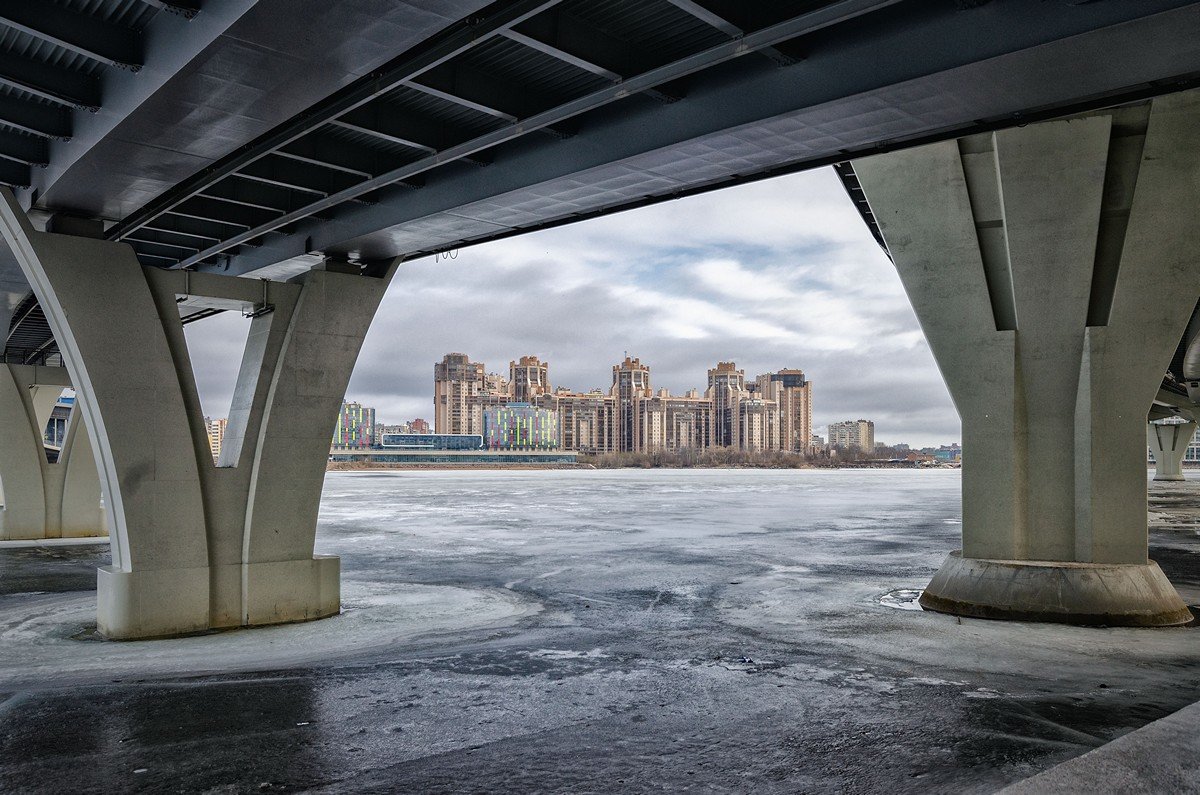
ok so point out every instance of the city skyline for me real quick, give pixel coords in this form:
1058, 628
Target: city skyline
770, 412
765, 274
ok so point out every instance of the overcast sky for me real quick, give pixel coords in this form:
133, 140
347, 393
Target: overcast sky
780, 273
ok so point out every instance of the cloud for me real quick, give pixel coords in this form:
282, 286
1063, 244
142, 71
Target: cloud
779, 273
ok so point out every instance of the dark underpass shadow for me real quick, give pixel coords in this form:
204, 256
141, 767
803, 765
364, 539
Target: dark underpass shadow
51, 569
170, 737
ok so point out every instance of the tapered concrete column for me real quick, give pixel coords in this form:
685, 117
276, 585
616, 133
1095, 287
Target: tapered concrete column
43, 500
197, 546
1169, 441
1053, 269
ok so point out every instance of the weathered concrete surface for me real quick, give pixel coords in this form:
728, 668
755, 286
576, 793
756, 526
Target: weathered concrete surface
1035, 259
1103, 594
195, 546
43, 500
702, 631
1161, 757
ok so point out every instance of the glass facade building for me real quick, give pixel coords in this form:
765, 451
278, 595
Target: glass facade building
432, 441
520, 426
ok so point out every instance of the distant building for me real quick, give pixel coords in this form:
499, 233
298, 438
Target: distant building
726, 386
631, 382
520, 426
853, 435
587, 421
528, 379
950, 452
431, 441
792, 393
419, 426
355, 428
456, 379
216, 435
55, 432
773, 412
758, 424
383, 430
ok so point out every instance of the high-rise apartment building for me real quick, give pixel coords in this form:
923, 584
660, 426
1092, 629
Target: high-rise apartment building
631, 383
673, 422
529, 379
587, 420
758, 424
356, 426
726, 387
853, 435
773, 412
792, 393
456, 379
216, 435
419, 426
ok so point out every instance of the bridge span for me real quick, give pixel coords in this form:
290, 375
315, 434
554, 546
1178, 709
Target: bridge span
1032, 167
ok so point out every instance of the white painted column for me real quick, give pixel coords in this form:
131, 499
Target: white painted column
197, 546
1053, 270
22, 461
40, 491
1169, 441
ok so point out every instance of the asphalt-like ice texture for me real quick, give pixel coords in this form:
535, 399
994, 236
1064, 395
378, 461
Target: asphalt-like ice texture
593, 631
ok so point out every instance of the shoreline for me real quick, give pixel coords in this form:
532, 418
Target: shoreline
343, 466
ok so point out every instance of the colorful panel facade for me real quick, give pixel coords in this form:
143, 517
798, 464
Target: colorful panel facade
519, 426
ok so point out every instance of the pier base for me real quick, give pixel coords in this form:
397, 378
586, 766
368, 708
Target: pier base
1095, 594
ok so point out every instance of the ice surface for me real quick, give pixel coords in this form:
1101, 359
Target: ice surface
593, 631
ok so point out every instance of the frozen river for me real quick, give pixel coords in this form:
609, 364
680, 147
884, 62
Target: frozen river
592, 631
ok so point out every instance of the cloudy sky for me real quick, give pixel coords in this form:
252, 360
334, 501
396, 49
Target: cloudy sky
780, 273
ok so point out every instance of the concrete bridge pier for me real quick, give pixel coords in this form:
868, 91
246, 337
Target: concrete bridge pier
1053, 269
198, 546
1169, 443
44, 500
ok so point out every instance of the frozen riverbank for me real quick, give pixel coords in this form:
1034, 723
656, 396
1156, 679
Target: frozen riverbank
617, 630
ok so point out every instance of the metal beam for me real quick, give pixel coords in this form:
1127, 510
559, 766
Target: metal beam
24, 148
79, 33
563, 32
163, 238
145, 246
325, 150
45, 121
184, 8
257, 194
383, 135
291, 173
478, 107
562, 55
826, 16
217, 210
71, 89
456, 41
715, 20
15, 174
398, 125
191, 228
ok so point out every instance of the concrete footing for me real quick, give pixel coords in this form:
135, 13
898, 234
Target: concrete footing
158, 603
1095, 594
